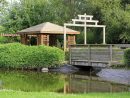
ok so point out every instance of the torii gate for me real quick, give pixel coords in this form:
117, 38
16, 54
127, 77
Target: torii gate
84, 21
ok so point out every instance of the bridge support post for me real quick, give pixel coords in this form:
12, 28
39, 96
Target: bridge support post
89, 55
110, 49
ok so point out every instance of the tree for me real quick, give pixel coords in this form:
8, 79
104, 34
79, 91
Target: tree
3, 4
125, 3
27, 13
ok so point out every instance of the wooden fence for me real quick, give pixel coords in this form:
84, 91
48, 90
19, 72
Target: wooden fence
97, 55
9, 35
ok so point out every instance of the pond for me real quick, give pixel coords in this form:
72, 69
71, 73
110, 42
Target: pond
107, 80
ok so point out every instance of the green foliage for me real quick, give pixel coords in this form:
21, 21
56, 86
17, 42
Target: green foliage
125, 3
16, 55
4, 40
111, 14
127, 57
92, 37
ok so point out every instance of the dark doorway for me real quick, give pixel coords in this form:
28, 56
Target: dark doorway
52, 40
33, 41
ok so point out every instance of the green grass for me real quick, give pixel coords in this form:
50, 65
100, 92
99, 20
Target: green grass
19, 94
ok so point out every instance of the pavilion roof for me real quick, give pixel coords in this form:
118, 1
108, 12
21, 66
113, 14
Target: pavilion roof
48, 28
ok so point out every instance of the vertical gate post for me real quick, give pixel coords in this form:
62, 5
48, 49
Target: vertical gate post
110, 47
89, 55
104, 35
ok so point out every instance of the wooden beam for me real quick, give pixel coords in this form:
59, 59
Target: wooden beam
82, 25
87, 16
81, 20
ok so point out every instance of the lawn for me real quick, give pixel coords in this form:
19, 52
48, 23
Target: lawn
19, 94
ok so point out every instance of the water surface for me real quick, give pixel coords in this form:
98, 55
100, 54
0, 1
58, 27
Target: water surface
107, 80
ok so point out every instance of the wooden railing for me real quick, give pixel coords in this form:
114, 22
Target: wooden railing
9, 35
97, 55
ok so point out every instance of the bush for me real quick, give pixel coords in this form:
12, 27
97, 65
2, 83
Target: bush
17, 55
127, 57
4, 40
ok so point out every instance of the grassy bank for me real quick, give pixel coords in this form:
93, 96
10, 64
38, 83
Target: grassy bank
13, 94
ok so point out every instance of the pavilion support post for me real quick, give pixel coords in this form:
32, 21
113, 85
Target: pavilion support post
71, 40
43, 39
104, 34
24, 39
64, 37
39, 39
21, 38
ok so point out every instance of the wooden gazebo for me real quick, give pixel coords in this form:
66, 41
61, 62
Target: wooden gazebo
46, 33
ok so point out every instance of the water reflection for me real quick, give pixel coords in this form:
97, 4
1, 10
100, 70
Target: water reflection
31, 81
1, 84
90, 82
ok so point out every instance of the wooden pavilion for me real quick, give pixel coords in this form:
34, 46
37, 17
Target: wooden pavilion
46, 33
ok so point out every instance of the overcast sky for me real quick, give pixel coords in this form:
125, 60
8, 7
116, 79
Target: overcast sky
12, 0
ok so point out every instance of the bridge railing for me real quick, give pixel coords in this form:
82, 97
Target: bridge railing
93, 54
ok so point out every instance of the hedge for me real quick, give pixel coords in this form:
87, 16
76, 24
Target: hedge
4, 40
127, 57
18, 56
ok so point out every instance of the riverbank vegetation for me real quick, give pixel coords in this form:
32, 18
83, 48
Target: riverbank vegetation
127, 57
19, 94
16, 55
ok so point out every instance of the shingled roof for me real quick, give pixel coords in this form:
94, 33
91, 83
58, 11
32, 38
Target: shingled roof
48, 28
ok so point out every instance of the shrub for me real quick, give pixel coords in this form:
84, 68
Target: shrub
16, 55
127, 57
4, 40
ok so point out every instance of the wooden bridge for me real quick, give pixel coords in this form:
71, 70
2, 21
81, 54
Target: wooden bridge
97, 55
